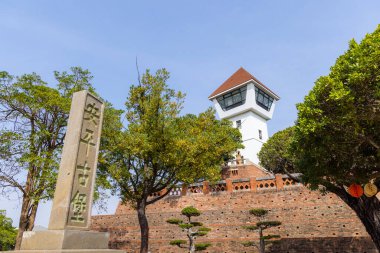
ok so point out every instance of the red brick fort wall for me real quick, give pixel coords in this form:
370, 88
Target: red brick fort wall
311, 222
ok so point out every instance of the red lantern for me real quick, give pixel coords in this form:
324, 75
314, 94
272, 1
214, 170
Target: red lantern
355, 190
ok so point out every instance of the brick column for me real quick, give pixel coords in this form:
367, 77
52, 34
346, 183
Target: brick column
184, 190
279, 182
229, 185
162, 192
253, 184
206, 188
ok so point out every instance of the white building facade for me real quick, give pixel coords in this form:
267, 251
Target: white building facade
249, 104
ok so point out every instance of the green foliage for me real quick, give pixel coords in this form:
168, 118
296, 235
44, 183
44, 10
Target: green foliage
174, 221
262, 224
160, 148
258, 212
336, 140
190, 211
268, 224
7, 232
36, 116
177, 242
248, 244
276, 155
202, 246
251, 227
186, 225
196, 223
336, 136
111, 124
204, 229
268, 237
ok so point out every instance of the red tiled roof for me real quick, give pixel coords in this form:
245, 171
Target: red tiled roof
239, 77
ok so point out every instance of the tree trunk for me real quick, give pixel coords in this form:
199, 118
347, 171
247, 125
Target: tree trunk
368, 211
24, 221
32, 216
144, 228
262, 241
191, 242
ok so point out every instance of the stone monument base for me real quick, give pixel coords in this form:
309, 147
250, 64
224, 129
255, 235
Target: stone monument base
65, 241
68, 251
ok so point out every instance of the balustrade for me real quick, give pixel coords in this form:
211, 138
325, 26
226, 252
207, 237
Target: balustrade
241, 185
277, 182
195, 189
218, 187
176, 191
288, 182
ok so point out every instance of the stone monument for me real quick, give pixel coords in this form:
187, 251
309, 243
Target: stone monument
71, 212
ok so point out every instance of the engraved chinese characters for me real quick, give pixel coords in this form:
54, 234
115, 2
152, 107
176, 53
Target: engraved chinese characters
75, 185
81, 195
79, 207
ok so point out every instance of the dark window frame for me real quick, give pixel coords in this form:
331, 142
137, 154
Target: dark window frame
233, 99
263, 99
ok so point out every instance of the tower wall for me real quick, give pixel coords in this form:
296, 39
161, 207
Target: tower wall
251, 124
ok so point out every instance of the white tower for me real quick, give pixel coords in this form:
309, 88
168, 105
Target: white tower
249, 104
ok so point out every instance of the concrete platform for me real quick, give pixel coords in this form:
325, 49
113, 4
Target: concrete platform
64, 239
68, 251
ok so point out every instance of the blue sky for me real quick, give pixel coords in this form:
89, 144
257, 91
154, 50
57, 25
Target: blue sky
285, 44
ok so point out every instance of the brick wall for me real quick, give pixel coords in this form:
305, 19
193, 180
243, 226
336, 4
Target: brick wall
243, 171
311, 222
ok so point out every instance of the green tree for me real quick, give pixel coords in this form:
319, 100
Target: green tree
159, 148
337, 132
336, 138
7, 232
193, 229
276, 155
260, 227
33, 118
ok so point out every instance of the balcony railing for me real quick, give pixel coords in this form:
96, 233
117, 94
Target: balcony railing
238, 162
270, 183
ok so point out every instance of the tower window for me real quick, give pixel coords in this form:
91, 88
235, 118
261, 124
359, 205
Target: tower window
238, 124
232, 99
260, 135
263, 100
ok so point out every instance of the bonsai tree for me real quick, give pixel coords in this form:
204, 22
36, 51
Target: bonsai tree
193, 230
260, 227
